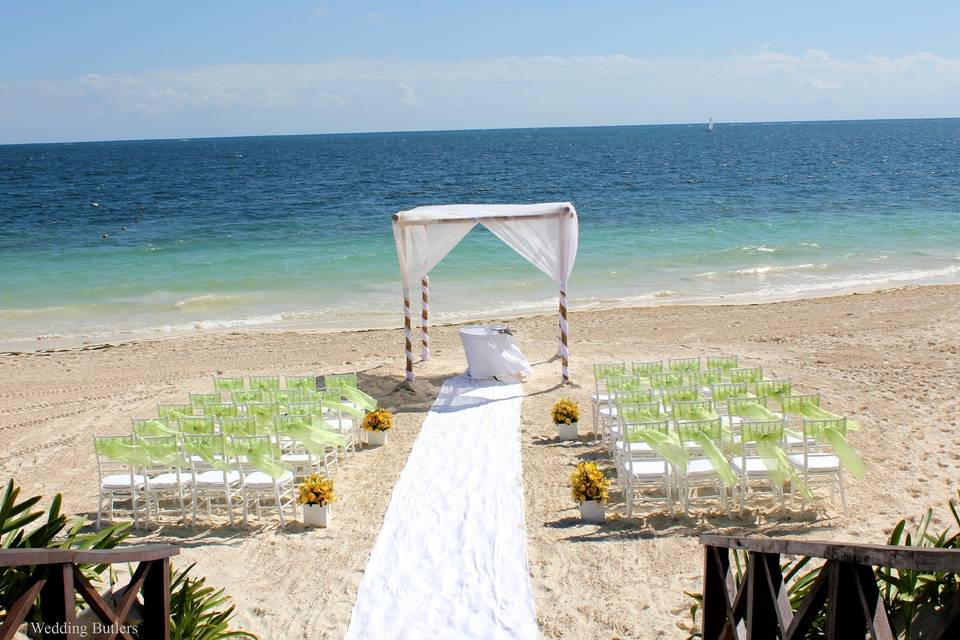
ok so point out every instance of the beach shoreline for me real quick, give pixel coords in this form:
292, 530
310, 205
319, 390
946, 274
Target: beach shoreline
56, 344
887, 359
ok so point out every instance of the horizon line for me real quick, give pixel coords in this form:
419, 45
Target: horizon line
474, 129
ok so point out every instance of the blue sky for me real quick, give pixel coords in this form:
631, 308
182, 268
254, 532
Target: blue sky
107, 70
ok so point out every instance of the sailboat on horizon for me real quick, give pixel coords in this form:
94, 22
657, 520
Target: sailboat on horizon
710, 125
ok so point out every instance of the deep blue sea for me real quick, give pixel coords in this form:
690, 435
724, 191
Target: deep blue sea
294, 231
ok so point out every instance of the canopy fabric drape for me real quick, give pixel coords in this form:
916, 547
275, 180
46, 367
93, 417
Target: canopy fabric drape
546, 234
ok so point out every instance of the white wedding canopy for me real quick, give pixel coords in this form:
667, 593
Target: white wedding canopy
545, 234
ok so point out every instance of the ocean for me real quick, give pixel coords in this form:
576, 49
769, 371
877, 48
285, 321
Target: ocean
125, 240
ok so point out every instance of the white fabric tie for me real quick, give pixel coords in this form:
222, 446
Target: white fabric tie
564, 328
425, 317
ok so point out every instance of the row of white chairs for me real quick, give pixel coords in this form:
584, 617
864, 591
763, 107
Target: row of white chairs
228, 479
259, 411
641, 471
640, 467
245, 421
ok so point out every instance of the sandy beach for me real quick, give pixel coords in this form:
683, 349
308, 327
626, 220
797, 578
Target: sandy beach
888, 359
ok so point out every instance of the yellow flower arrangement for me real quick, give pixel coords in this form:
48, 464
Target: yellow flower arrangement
565, 412
589, 483
317, 490
377, 420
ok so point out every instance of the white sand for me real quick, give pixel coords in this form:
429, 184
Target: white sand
889, 359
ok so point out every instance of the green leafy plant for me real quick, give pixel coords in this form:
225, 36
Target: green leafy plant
913, 599
195, 610
798, 582
194, 613
55, 532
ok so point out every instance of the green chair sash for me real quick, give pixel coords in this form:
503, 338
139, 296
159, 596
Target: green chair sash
774, 458
259, 453
832, 431
360, 398
724, 363
152, 427
163, 452
751, 410
661, 440
228, 384
209, 450
640, 414
711, 451
122, 450
302, 383
314, 435
751, 374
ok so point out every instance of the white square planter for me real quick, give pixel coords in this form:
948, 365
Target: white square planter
567, 431
316, 516
593, 511
376, 438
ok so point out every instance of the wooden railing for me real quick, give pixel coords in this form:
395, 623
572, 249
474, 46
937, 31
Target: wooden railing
846, 589
56, 578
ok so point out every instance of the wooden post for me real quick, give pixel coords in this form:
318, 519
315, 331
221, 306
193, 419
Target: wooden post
57, 579
564, 351
425, 317
408, 335
761, 605
57, 608
845, 615
156, 600
718, 594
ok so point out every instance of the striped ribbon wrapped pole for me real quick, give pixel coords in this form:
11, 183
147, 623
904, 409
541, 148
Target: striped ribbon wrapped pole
408, 334
564, 351
425, 317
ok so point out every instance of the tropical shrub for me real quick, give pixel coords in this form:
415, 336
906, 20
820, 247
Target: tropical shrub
913, 599
193, 606
195, 612
589, 483
55, 532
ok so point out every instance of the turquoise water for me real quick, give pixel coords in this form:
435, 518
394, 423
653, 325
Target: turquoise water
280, 232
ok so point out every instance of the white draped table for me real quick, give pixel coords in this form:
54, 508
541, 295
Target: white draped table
491, 353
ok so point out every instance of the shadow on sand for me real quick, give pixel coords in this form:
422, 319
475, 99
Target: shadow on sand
658, 524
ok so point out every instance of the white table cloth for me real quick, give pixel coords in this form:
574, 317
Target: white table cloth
450, 561
491, 352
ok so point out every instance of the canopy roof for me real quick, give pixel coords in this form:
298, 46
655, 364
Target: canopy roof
546, 234
477, 212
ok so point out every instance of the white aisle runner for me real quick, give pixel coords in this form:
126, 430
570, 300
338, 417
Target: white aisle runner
451, 558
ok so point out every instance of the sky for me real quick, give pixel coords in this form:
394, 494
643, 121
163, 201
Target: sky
132, 69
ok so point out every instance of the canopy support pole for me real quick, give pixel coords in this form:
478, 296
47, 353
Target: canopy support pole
564, 351
408, 334
425, 317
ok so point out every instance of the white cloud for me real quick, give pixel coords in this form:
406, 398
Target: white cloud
407, 96
818, 55
823, 85
369, 94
